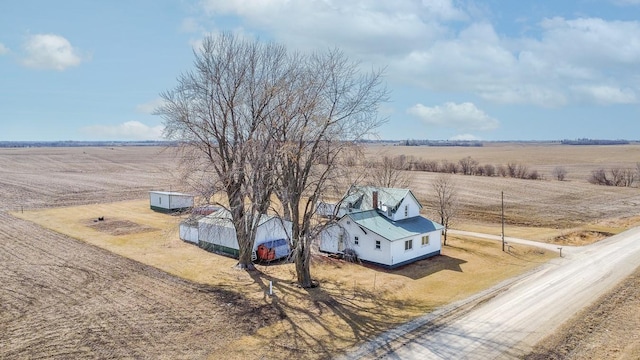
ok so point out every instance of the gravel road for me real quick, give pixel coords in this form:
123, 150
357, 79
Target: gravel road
511, 322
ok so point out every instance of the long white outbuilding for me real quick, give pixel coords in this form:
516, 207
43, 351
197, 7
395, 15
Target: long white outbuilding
169, 201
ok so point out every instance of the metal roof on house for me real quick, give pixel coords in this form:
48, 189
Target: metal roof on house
377, 223
361, 197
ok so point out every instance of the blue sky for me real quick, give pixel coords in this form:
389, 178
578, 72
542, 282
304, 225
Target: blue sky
488, 70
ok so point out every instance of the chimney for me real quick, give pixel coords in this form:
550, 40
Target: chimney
375, 199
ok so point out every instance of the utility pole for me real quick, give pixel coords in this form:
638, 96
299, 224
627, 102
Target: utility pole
502, 200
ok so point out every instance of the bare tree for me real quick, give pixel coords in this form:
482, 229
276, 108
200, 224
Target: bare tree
220, 112
560, 173
629, 177
501, 170
446, 200
448, 167
468, 165
599, 177
333, 105
617, 176
390, 172
489, 170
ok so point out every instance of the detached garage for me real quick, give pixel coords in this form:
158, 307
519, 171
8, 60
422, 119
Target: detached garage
168, 201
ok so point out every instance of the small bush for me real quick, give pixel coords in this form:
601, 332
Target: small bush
559, 173
599, 177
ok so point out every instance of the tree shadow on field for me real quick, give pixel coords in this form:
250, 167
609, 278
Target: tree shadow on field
430, 266
330, 318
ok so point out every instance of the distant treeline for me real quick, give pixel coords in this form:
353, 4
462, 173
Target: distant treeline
465, 166
23, 144
471, 143
594, 142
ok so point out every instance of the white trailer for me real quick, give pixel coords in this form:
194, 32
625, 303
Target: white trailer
169, 201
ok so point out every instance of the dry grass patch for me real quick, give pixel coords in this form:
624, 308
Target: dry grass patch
353, 303
117, 227
579, 238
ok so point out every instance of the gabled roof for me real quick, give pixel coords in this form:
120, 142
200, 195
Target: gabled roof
361, 197
223, 218
373, 221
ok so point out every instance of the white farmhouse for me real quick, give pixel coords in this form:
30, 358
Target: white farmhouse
169, 201
216, 233
382, 226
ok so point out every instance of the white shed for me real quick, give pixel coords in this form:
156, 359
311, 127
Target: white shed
168, 201
216, 233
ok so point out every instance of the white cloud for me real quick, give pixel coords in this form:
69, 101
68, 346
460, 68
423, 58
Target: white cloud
130, 130
3, 49
446, 45
150, 106
603, 94
367, 27
50, 51
464, 137
551, 70
464, 116
191, 25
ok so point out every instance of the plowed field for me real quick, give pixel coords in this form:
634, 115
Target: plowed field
63, 298
54, 177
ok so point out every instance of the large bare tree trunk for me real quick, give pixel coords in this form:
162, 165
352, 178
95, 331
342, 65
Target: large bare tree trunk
303, 268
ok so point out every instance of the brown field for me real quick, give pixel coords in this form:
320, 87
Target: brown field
535, 209
66, 298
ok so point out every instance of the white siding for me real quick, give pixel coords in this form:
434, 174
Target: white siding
366, 248
159, 200
170, 201
399, 254
272, 229
390, 252
189, 233
217, 234
329, 239
413, 209
224, 233
180, 201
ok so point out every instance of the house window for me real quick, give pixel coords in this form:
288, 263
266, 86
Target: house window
377, 244
408, 245
160, 200
425, 240
406, 210
356, 240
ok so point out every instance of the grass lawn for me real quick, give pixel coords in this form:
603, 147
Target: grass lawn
352, 304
